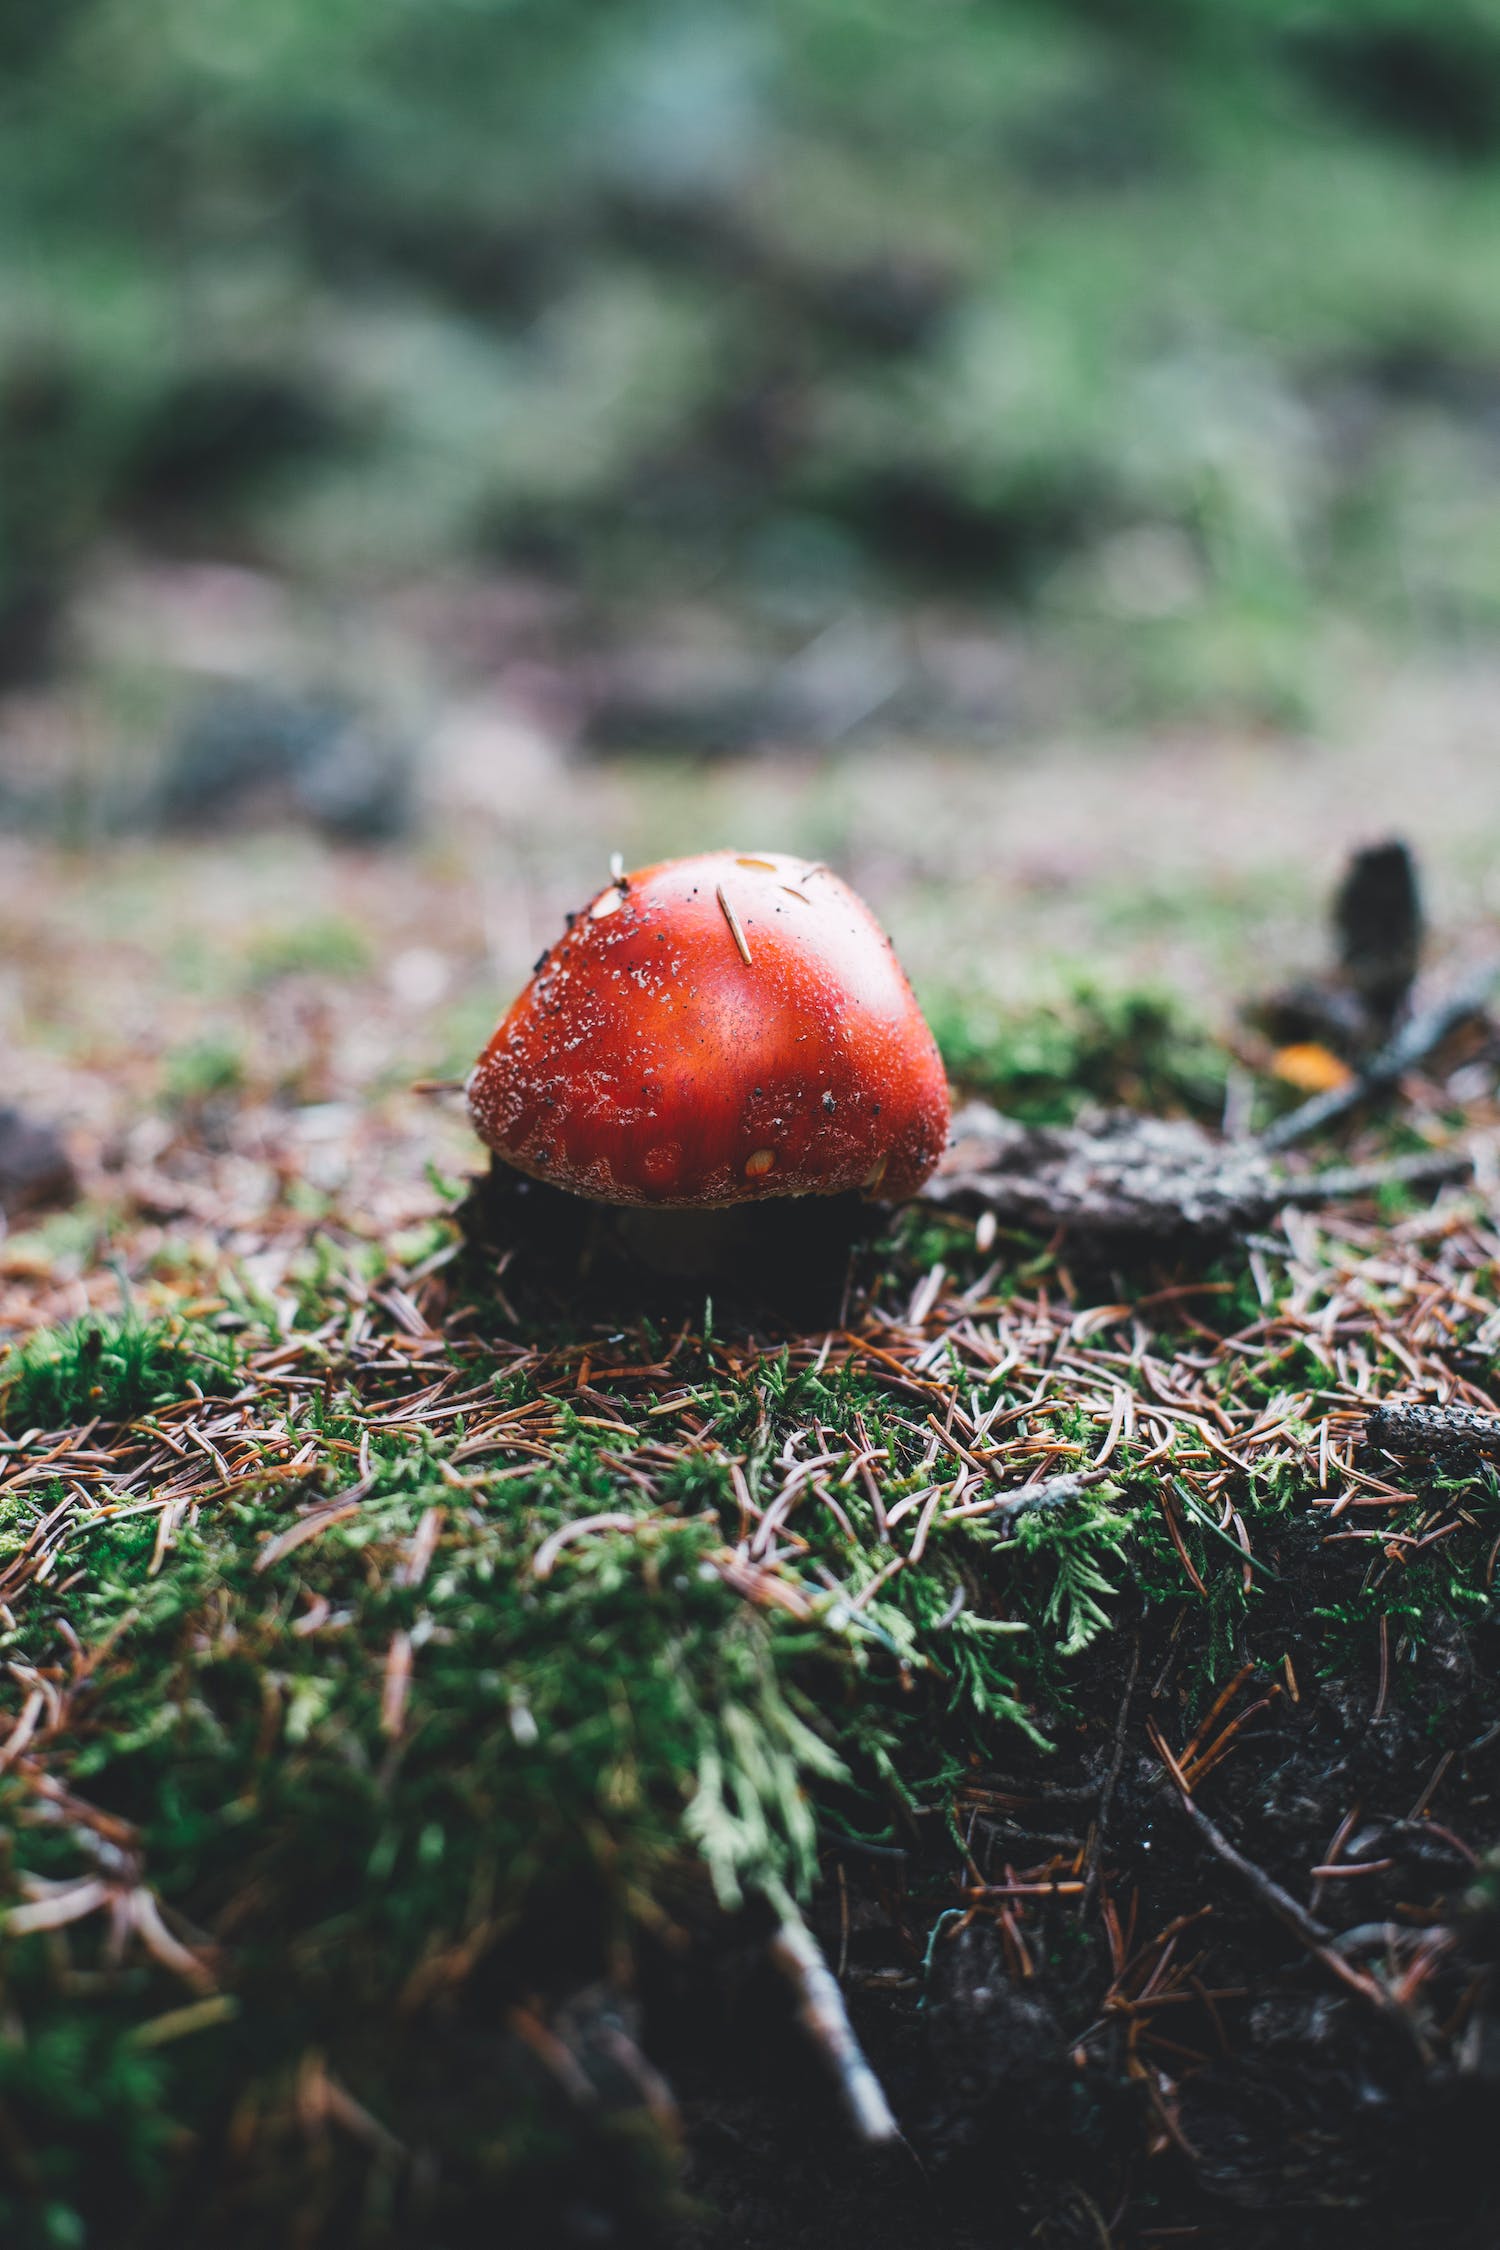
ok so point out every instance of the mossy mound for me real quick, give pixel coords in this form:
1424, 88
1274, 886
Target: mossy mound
419, 1721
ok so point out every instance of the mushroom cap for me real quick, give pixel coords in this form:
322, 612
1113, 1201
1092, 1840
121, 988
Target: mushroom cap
711, 1031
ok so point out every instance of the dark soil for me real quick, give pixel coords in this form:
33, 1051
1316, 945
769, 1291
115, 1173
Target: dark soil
1163, 2060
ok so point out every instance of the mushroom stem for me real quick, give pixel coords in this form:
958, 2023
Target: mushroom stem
689, 1245
789, 1254
785, 1253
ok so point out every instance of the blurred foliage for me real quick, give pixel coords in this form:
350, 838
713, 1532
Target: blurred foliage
1175, 319
1046, 1064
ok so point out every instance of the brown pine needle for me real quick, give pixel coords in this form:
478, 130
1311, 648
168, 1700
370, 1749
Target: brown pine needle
734, 927
397, 1684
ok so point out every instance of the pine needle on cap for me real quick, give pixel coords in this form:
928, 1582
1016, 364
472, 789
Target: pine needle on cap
733, 920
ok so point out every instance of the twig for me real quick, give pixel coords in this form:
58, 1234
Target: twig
1410, 1428
1411, 1045
823, 2016
1133, 1179
1318, 1940
1111, 1781
1341, 1182
1051, 1492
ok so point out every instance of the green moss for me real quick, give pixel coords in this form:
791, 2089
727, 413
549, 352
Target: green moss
328, 946
115, 1369
1043, 1064
1420, 1593
568, 1739
596, 1739
195, 1073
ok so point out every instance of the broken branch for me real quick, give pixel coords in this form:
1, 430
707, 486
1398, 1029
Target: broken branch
1411, 1428
1308, 1931
824, 2018
1412, 1044
1147, 1180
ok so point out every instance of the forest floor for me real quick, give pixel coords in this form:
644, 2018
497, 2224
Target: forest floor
429, 1688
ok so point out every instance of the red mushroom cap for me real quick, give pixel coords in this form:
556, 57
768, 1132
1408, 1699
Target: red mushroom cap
713, 1030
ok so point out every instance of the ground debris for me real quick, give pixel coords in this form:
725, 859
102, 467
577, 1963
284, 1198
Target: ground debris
462, 1608
1443, 1430
1417, 1038
1151, 1180
35, 1167
975, 1464
1378, 932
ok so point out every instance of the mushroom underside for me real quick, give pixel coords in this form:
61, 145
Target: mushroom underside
785, 1253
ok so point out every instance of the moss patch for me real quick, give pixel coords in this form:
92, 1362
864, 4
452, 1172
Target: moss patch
377, 1688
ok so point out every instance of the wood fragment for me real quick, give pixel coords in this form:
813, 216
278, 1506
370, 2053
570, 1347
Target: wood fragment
1408, 1427
1129, 1180
825, 2020
1377, 916
396, 1685
1051, 1492
1318, 1940
146, 1917
54, 1909
1412, 1044
1342, 1183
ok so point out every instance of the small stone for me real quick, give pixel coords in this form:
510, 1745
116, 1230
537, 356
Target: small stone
35, 1168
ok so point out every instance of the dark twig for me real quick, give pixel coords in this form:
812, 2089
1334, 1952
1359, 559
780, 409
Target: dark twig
1402, 1428
1412, 1044
1111, 1782
1319, 1941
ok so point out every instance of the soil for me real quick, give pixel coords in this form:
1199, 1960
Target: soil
1166, 2062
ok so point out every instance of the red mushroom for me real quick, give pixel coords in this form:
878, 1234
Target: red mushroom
715, 1031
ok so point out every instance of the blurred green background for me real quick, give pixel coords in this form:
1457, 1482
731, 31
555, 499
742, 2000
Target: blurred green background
1165, 333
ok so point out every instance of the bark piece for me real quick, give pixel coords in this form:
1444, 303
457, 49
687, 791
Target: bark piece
1141, 1180
1149, 1180
1119, 1175
1450, 1430
1377, 931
